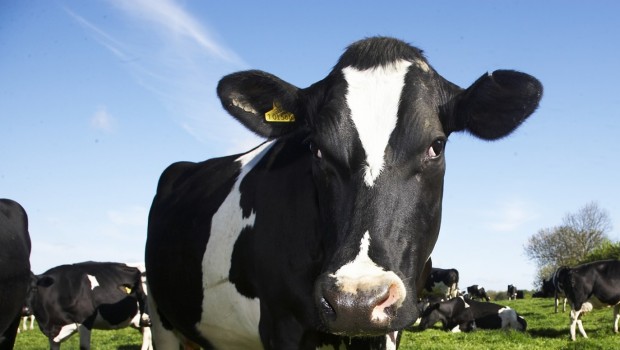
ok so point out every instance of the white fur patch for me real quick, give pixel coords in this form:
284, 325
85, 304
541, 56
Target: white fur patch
66, 331
364, 274
229, 320
373, 96
93, 281
390, 340
508, 317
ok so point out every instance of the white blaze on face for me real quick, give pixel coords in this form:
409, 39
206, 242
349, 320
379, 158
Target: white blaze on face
93, 281
373, 96
229, 320
363, 274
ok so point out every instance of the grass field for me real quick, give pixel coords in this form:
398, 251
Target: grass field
546, 330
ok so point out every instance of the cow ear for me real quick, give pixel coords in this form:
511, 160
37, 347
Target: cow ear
262, 102
45, 281
494, 105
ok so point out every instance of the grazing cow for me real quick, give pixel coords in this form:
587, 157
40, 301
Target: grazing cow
322, 234
591, 285
441, 282
520, 294
512, 292
14, 268
86, 296
460, 315
476, 292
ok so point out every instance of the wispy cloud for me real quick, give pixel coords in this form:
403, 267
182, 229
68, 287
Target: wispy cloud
173, 55
102, 120
174, 21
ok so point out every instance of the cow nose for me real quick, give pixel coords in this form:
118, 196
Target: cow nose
364, 311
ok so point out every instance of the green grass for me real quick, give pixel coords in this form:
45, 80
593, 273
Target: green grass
546, 330
122, 339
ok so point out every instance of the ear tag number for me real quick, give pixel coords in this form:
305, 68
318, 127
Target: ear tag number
278, 115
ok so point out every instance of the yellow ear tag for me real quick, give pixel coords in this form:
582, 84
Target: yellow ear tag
127, 290
279, 115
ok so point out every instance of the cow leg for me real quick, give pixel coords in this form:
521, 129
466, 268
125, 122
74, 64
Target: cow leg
563, 306
84, 337
54, 345
576, 322
162, 337
147, 341
616, 317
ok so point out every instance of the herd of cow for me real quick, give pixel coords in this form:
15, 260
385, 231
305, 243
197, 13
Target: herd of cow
319, 237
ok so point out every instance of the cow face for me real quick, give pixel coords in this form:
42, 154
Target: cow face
377, 127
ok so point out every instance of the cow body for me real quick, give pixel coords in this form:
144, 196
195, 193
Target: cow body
441, 282
476, 292
460, 315
85, 296
591, 285
323, 232
14, 268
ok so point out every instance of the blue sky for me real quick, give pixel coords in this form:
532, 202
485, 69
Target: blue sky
98, 97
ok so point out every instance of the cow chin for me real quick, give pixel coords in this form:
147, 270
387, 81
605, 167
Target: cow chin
363, 312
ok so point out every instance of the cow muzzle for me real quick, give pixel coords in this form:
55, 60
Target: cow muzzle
362, 307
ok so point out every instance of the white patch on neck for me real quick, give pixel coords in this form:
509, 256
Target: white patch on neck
373, 96
93, 281
229, 320
364, 274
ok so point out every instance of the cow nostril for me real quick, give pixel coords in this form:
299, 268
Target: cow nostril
327, 309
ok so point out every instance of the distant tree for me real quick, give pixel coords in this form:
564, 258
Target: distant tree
579, 235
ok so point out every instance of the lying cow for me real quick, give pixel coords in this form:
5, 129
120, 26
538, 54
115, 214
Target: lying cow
14, 268
442, 283
591, 285
460, 315
475, 292
86, 296
321, 235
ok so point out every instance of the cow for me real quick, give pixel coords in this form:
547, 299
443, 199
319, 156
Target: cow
460, 315
520, 294
512, 292
558, 289
321, 235
85, 296
476, 292
441, 282
591, 285
15, 273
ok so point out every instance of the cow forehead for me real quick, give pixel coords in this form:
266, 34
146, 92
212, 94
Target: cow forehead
373, 97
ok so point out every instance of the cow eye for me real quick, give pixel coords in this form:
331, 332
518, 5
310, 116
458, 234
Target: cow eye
436, 148
316, 152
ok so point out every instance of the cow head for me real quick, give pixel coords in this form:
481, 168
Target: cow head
377, 128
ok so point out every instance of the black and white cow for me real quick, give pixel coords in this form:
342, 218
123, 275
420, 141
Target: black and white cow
460, 315
441, 282
14, 268
476, 292
512, 292
322, 233
86, 296
586, 286
558, 289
